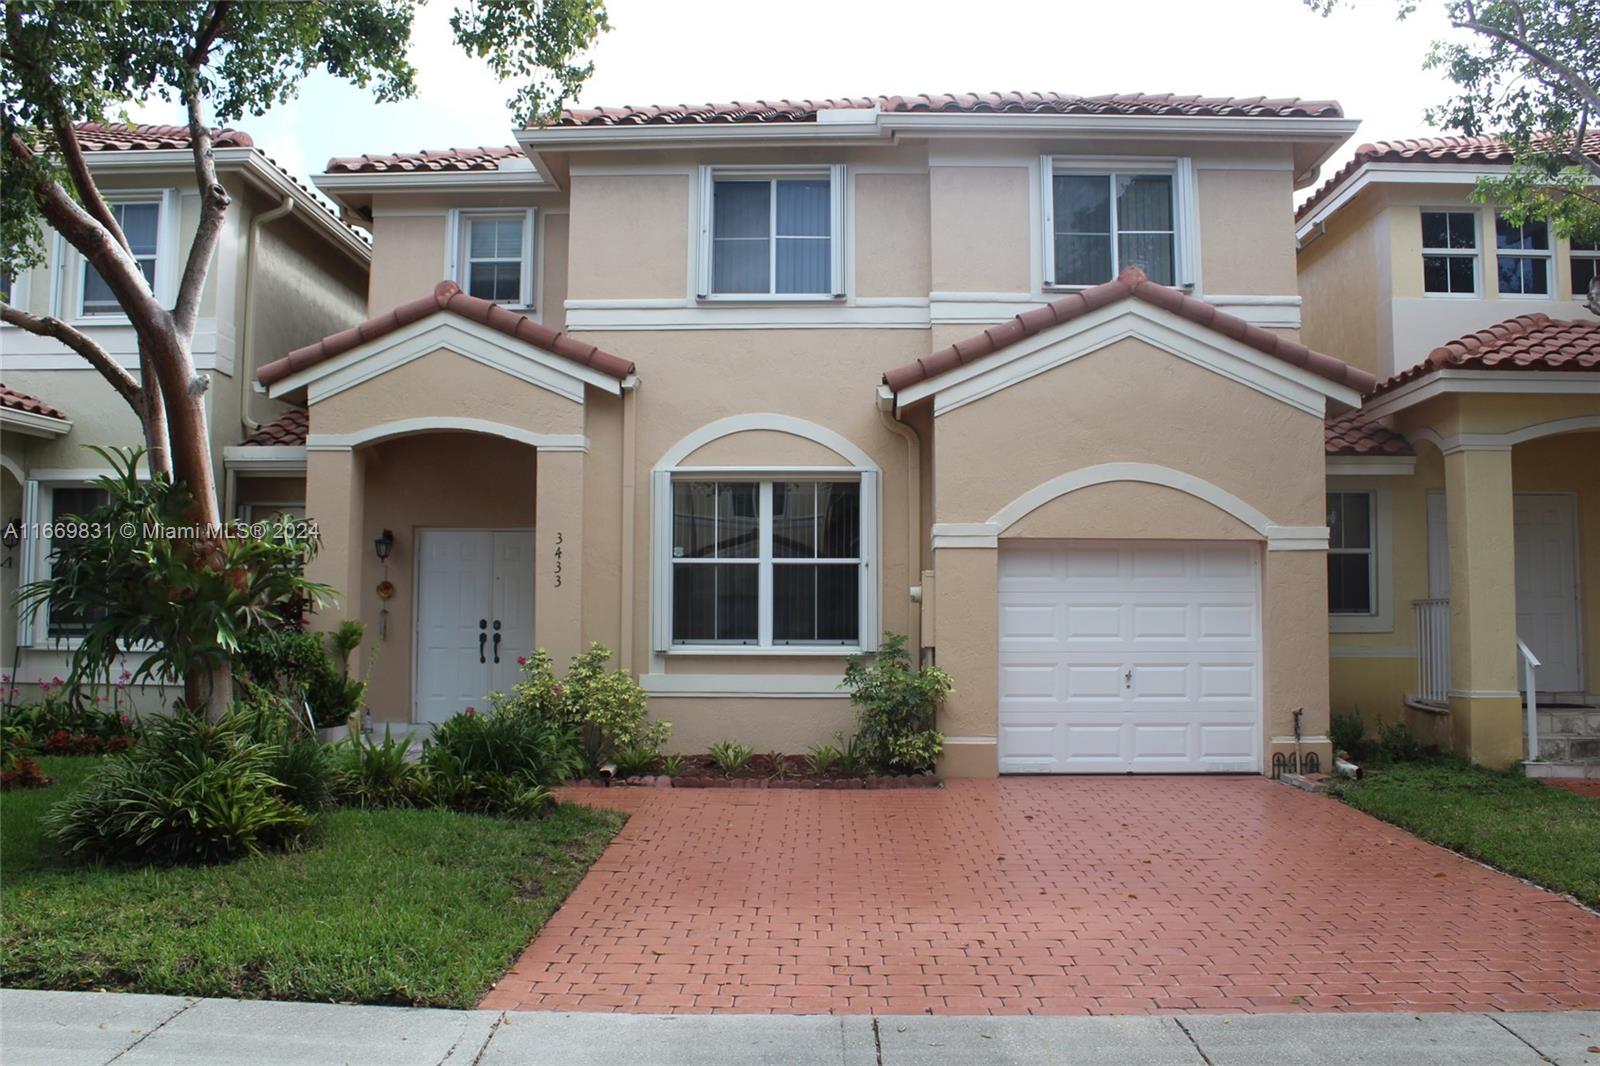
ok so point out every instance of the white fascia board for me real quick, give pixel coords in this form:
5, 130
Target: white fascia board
33, 424
449, 331
257, 168
265, 458
1502, 382
1169, 127
1131, 318
1393, 174
1371, 465
531, 180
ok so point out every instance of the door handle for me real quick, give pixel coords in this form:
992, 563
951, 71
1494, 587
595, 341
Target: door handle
1127, 678
483, 638
497, 640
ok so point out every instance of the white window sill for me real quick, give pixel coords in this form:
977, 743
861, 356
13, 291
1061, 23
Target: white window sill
783, 650
100, 320
1452, 296
1360, 623
1525, 296
771, 298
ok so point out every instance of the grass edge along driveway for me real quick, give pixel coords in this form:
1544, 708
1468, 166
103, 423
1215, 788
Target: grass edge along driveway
398, 906
1547, 835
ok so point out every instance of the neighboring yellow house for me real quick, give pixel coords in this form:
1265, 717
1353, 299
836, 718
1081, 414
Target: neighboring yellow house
286, 271
1465, 499
735, 389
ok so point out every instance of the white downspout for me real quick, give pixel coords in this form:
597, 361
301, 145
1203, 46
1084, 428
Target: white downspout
244, 365
886, 411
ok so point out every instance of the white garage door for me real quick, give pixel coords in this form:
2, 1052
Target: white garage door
1129, 658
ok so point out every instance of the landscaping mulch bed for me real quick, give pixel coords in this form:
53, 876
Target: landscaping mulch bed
762, 771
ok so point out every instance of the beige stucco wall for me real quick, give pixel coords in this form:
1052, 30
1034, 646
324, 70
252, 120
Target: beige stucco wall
630, 236
1342, 292
407, 258
981, 240
892, 220
1246, 245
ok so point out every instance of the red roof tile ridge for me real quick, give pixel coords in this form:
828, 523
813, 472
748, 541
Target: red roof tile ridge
1130, 282
16, 400
1529, 342
1353, 433
482, 157
141, 136
805, 110
447, 296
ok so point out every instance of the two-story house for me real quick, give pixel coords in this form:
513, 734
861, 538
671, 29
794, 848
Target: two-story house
735, 389
287, 271
1464, 500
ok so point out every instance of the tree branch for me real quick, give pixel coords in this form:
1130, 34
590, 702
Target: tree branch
78, 169
214, 199
79, 342
1572, 80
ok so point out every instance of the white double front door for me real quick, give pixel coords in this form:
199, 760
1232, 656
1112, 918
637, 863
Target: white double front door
474, 617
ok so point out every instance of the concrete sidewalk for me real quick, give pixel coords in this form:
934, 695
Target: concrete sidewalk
95, 1028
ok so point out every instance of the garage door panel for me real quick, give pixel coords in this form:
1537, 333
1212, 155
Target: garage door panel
1128, 658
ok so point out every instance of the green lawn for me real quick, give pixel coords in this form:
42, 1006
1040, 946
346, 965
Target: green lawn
1544, 834
411, 907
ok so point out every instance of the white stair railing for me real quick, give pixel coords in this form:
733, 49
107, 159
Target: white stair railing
1433, 650
1530, 699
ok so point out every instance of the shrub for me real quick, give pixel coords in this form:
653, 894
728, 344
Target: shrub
731, 756
193, 791
608, 706
672, 765
369, 773
1348, 733
635, 760
823, 759
447, 782
852, 756
302, 764
309, 671
67, 721
1396, 743
897, 705
540, 751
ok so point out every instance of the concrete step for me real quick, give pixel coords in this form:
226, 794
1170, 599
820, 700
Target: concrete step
1569, 747
1573, 721
1583, 771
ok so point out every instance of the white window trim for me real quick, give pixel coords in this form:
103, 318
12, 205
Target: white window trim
835, 173
1380, 571
18, 297
455, 257
74, 267
1548, 254
1591, 254
1185, 210
1476, 254
39, 508
867, 568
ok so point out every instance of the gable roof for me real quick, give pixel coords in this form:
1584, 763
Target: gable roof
1483, 150
1533, 342
1131, 283
289, 428
447, 296
1353, 434
457, 160
12, 400
968, 103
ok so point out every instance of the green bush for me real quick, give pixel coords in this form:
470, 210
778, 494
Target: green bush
1348, 734
609, 707
541, 751
635, 760
1396, 743
823, 759
308, 670
192, 791
897, 706
370, 773
302, 764
731, 756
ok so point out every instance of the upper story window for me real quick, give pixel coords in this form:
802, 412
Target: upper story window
494, 256
1450, 253
1585, 266
141, 224
1523, 258
1104, 216
771, 233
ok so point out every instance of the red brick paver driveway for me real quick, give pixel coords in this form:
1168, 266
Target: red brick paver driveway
1043, 895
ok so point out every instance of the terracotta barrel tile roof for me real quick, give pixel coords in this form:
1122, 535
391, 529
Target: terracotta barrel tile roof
969, 103
1486, 150
112, 137
288, 428
1353, 434
448, 159
1130, 283
447, 296
12, 400
1527, 342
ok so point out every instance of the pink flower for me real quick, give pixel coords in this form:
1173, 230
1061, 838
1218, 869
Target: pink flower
124, 719
555, 686
471, 710
522, 660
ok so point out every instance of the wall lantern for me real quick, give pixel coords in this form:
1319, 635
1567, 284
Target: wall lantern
10, 539
384, 545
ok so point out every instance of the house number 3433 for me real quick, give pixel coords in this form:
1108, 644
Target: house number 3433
557, 570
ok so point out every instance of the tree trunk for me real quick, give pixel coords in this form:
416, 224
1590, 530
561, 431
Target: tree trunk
209, 692
158, 450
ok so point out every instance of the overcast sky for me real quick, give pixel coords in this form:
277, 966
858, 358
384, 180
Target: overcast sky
693, 51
